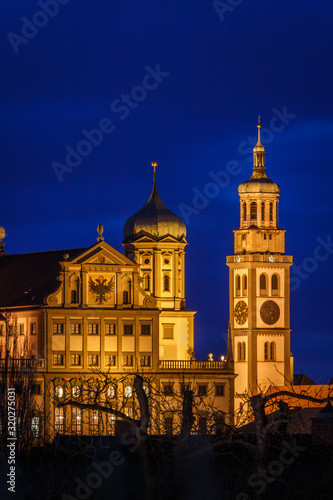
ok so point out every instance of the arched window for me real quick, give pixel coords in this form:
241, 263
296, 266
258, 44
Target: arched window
266, 351
241, 351
146, 282
271, 211
238, 285
253, 211
263, 284
74, 296
125, 297
269, 351
275, 284
272, 351
166, 283
263, 211
244, 211
244, 284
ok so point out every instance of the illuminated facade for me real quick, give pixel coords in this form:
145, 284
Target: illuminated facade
77, 313
259, 286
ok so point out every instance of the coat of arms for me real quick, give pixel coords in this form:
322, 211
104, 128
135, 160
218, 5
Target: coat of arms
101, 289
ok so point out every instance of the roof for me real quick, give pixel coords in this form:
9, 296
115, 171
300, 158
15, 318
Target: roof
155, 220
302, 379
25, 279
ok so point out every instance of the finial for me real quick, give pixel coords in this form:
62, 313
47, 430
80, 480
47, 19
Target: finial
259, 127
100, 231
2, 237
154, 165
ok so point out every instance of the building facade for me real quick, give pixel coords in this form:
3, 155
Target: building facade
89, 319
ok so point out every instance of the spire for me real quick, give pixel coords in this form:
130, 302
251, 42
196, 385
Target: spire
154, 165
259, 152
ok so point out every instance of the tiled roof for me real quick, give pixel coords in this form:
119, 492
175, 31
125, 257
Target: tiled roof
25, 279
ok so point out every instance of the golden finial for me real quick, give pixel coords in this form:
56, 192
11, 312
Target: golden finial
154, 164
259, 127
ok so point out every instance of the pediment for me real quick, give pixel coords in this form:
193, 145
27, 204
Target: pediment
102, 253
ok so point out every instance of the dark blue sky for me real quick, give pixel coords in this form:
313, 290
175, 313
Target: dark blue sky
220, 70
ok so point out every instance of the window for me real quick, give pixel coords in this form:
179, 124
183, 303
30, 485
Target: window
73, 296
21, 326
128, 329
76, 328
76, 420
76, 391
110, 329
167, 389
58, 328
32, 328
219, 390
168, 331
202, 390
110, 360
238, 285
253, 211
145, 329
168, 426
202, 425
36, 389
241, 351
128, 360
58, 359
93, 359
263, 211
128, 391
244, 284
75, 359
35, 427
269, 351
1, 329
93, 329
271, 212
146, 282
59, 420
93, 422
275, 284
244, 212
145, 360
166, 283
111, 419
125, 297
184, 387
59, 391
111, 392
11, 330
263, 284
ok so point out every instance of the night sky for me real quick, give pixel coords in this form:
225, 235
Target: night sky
182, 83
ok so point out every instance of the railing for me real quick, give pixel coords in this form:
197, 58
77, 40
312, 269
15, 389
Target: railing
260, 258
193, 365
18, 363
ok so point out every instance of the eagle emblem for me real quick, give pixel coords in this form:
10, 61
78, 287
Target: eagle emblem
101, 289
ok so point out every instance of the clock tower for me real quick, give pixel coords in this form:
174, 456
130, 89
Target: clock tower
259, 290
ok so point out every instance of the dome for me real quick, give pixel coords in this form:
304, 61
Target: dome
155, 220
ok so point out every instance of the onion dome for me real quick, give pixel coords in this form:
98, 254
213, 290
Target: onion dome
155, 220
259, 182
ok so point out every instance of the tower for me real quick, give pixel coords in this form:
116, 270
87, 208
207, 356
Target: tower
155, 238
259, 290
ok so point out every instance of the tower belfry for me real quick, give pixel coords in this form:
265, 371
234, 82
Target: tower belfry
259, 288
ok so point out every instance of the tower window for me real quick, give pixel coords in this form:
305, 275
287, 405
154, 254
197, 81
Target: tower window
241, 351
166, 283
238, 285
125, 297
253, 211
263, 284
263, 211
244, 212
244, 284
271, 212
269, 351
275, 284
74, 296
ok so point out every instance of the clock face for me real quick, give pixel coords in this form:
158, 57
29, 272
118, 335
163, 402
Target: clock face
270, 312
241, 312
